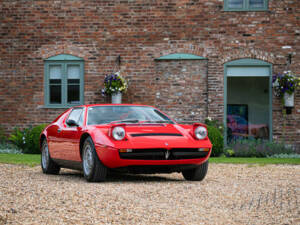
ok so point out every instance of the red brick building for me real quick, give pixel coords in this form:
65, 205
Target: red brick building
191, 58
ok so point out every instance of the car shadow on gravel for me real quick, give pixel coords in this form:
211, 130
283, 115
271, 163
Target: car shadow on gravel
124, 177
136, 178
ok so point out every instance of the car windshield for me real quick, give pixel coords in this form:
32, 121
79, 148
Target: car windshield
125, 114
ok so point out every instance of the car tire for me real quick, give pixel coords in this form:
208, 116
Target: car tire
197, 174
93, 169
47, 164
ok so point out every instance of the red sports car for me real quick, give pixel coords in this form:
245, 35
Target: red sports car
125, 138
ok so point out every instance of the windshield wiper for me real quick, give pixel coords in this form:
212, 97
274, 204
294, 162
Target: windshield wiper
155, 121
140, 121
124, 121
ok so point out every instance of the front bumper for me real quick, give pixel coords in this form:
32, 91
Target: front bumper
110, 157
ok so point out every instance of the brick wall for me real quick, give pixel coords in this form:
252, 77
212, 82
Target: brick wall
181, 89
140, 31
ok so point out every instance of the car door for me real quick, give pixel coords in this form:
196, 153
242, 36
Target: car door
53, 136
70, 135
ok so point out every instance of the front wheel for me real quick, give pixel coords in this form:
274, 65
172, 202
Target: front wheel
93, 169
47, 164
196, 174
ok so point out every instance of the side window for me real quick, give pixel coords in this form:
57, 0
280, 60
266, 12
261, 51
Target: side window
80, 122
76, 115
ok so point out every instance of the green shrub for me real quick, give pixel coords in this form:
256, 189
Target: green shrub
27, 140
6, 147
258, 148
33, 140
215, 123
216, 139
285, 156
229, 152
17, 137
275, 148
3, 137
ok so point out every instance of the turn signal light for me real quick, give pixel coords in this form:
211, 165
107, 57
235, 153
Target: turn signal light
125, 150
203, 149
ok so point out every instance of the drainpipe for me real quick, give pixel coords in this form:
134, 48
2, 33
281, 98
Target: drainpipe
207, 88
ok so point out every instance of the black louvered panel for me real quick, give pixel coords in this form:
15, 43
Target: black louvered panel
163, 154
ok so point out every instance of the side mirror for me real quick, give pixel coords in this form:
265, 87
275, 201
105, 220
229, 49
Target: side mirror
72, 123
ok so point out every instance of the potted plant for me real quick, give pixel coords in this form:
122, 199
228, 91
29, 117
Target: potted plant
114, 85
284, 86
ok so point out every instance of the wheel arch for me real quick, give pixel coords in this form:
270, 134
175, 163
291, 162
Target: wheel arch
42, 138
82, 140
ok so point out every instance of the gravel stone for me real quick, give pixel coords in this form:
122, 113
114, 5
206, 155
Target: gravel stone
230, 194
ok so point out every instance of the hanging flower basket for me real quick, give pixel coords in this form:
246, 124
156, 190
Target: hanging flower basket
284, 86
114, 85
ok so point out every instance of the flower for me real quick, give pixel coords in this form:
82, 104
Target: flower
285, 83
113, 84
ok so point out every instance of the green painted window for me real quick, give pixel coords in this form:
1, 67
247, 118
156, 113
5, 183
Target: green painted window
245, 5
64, 81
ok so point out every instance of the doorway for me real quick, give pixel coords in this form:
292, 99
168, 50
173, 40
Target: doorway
247, 100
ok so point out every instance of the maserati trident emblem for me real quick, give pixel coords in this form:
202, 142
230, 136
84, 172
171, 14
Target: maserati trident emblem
167, 154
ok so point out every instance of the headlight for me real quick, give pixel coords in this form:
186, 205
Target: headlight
200, 132
118, 133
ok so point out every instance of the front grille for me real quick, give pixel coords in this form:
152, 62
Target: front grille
163, 154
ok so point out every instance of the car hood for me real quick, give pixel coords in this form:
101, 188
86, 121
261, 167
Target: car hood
155, 136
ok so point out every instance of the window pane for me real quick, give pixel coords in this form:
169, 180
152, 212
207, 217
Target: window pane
55, 81
247, 108
55, 72
237, 71
235, 4
73, 94
75, 114
73, 81
73, 84
73, 72
256, 3
55, 94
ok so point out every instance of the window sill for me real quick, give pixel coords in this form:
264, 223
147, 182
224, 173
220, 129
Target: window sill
246, 10
57, 106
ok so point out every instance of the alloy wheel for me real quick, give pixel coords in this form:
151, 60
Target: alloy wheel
88, 161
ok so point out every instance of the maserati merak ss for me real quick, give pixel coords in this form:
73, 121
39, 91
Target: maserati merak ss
98, 139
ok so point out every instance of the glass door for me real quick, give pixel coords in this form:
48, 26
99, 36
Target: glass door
247, 108
247, 100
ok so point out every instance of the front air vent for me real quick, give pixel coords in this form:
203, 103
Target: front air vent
164, 154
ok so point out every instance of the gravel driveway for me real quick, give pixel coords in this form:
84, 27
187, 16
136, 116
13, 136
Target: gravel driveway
230, 194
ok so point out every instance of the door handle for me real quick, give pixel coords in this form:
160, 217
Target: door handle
58, 130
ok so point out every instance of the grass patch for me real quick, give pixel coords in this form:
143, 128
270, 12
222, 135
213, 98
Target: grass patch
261, 161
34, 160
22, 159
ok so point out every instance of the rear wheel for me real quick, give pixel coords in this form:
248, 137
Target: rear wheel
93, 169
47, 164
196, 174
